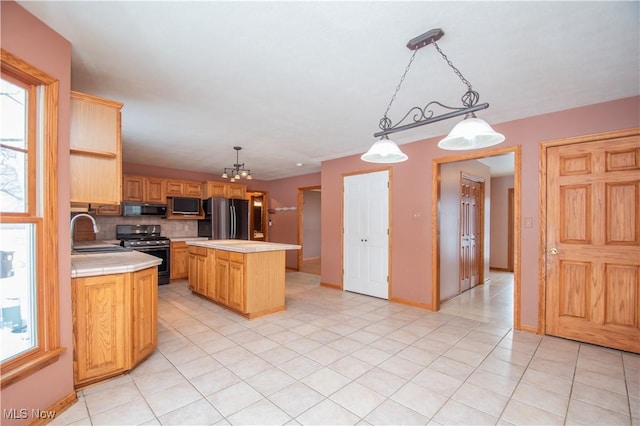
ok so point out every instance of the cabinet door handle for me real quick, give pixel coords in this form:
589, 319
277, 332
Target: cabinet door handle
553, 251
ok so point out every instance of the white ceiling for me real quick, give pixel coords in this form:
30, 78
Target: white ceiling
302, 82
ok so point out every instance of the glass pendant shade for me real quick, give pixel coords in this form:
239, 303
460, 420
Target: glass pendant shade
384, 151
471, 133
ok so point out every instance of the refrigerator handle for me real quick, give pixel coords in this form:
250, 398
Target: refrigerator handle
233, 222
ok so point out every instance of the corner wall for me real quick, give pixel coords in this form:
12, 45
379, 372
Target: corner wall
28, 38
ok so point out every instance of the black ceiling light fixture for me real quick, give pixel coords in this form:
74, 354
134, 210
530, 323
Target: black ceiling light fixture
237, 171
470, 133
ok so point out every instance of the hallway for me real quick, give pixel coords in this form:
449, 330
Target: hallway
491, 302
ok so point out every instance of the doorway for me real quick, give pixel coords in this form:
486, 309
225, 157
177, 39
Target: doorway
258, 202
309, 229
443, 276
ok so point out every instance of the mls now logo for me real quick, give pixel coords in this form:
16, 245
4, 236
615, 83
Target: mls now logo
23, 413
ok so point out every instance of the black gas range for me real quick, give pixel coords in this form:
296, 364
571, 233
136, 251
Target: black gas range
148, 239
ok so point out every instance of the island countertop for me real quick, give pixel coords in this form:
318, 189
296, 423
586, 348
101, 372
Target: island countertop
243, 246
87, 265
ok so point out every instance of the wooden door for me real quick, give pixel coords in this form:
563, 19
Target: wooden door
593, 240
145, 313
471, 199
366, 234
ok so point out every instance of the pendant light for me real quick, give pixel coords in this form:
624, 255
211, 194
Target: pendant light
471, 133
237, 171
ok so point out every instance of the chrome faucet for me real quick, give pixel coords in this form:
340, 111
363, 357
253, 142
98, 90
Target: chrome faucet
73, 221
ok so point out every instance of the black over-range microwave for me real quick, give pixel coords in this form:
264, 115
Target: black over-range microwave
143, 209
185, 205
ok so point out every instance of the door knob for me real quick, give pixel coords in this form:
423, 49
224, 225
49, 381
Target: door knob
553, 251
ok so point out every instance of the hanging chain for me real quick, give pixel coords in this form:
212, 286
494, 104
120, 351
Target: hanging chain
458, 73
400, 84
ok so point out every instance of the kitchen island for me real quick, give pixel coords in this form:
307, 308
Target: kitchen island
247, 277
114, 299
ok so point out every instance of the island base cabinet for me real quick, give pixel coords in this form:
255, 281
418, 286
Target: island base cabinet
114, 323
252, 284
264, 291
102, 314
145, 314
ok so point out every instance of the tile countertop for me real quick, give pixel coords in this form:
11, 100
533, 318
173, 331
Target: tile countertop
176, 239
243, 246
87, 265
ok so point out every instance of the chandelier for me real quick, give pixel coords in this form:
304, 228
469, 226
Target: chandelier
470, 133
237, 171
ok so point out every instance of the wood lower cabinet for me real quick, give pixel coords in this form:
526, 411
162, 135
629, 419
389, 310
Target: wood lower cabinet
252, 284
179, 260
221, 294
198, 269
102, 313
145, 313
236, 281
114, 323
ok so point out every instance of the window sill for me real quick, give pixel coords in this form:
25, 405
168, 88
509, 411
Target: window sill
29, 367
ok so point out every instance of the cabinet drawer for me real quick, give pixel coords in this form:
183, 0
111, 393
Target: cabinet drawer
236, 257
222, 254
200, 251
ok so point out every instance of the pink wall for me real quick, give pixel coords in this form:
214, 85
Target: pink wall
411, 204
28, 38
284, 193
499, 217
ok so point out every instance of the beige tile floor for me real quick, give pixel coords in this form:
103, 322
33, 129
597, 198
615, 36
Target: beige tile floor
341, 358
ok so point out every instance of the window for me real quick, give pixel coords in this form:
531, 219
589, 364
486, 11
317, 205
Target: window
29, 328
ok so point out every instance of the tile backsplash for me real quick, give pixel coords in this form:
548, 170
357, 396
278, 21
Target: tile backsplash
170, 228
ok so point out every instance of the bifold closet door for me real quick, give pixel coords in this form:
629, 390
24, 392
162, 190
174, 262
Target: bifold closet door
366, 234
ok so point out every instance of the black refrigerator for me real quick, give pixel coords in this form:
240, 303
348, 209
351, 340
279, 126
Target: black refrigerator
225, 219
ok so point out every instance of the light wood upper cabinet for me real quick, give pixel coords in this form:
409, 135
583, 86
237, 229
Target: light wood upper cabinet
175, 188
96, 150
155, 190
183, 188
143, 189
133, 188
224, 190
